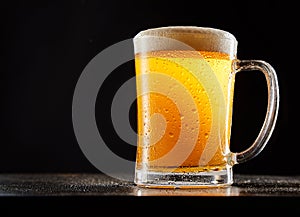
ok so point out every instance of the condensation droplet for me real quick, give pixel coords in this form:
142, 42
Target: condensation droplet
206, 135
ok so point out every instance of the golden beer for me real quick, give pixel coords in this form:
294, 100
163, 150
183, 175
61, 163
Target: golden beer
185, 84
186, 69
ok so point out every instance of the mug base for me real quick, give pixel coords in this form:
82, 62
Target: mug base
151, 179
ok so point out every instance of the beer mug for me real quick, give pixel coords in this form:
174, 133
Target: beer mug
185, 85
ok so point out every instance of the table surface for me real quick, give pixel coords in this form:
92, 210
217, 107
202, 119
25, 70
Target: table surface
27, 190
74, 184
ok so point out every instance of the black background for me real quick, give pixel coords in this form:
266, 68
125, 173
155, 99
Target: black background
47, 44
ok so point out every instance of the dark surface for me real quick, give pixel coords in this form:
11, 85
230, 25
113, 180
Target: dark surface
95, 194
14, 185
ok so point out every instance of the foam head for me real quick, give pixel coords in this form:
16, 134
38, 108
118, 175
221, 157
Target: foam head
185, 38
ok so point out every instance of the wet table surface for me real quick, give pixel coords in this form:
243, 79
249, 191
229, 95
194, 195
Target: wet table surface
102, 185
75, 189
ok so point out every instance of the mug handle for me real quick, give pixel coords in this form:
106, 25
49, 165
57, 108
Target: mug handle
272, 109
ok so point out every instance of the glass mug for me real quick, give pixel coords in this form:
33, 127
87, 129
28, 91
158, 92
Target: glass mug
185, 84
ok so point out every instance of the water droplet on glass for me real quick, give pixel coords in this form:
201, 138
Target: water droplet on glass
206, 135
171, 134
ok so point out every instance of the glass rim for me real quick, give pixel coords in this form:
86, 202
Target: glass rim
185, 38
196, 31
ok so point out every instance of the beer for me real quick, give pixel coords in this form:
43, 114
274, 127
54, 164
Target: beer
169, 77
185, 82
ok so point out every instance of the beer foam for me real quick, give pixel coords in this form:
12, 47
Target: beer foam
185, 38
